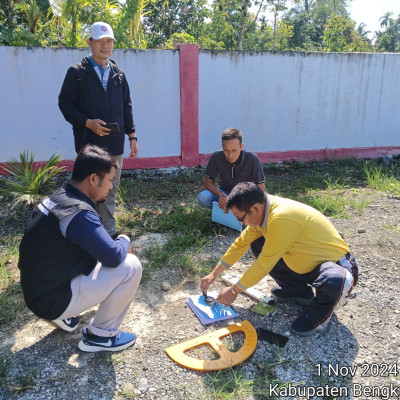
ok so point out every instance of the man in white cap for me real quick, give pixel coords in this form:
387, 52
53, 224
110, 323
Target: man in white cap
95, 100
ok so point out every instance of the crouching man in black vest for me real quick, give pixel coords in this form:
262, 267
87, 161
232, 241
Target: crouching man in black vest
69, 263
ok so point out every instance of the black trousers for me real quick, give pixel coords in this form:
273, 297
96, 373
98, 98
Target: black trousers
328, 279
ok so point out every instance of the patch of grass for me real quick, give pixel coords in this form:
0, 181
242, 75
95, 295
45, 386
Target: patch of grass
11, 303
136, 221
295, 179
185, 219
4, 368
189, 228
393, 228
382, 179
180, 251
125, 193
109, 358
234, 342
179, 218
382, 242
232, 384
24, 382
336, 200
11, 297
229, 384
190, 265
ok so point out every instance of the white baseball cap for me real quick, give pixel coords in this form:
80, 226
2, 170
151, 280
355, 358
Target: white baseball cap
101, 30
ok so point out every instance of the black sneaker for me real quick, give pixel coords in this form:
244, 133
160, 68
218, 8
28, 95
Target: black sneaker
302, 326
68, 324
303, 298
93, 343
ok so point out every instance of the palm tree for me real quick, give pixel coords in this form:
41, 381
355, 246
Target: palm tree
385, 20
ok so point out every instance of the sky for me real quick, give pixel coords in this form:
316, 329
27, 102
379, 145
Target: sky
369, 12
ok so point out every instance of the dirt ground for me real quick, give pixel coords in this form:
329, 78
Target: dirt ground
358, 353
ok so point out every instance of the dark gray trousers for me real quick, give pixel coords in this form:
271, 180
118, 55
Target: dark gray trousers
329, 280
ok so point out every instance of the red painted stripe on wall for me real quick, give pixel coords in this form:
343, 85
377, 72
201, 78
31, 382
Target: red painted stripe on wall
189, 90
318, 155
265, 158
137, 163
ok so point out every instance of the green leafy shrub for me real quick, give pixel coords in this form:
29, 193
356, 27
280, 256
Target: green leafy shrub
28, 183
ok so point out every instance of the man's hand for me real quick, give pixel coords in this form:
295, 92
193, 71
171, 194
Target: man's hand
222, 201
97, 126
134, 148
211, 277
207, 281
226, 297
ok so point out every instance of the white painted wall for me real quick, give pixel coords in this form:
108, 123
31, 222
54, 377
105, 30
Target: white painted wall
29, 88
288, 101
299, 101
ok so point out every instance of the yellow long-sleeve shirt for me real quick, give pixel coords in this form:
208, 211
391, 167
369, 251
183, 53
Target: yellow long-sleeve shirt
298, 233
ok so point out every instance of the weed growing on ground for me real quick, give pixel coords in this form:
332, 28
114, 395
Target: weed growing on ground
232, 384
393, 228
178, 251
24, 382
11, 298
4, 367
229, 384
336, 200
381, 178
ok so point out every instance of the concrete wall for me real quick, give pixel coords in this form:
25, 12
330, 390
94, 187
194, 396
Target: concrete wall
300, 101
29, 88
289, 105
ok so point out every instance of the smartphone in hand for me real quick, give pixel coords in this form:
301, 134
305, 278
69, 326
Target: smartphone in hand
113, 126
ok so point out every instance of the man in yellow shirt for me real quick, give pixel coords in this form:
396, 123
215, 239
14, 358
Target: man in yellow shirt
302, 248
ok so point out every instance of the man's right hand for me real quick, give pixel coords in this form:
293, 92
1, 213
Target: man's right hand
207, 281
222, 201
98, 127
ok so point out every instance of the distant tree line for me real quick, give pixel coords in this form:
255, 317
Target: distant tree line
291, 25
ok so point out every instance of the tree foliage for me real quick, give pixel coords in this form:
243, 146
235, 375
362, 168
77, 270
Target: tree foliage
271, 25
340, 35
389, 39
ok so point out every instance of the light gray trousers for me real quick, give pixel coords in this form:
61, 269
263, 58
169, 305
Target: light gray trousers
107, 209
112, 288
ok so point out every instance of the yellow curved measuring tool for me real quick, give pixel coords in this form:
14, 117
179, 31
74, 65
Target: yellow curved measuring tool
227, 358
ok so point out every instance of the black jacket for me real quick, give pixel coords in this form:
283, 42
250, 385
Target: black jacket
47, 260
83, 97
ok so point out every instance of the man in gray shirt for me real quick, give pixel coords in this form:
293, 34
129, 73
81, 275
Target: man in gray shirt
233, 165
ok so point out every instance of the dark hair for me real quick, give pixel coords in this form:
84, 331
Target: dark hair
92, 160
244, 195
232, 133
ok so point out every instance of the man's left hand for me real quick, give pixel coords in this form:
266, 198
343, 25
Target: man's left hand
134, 149
226, 297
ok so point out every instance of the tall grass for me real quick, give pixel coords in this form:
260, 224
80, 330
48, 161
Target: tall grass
382, 179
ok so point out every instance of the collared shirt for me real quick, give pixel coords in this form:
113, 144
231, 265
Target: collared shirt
296, 232
247, 168
102, 73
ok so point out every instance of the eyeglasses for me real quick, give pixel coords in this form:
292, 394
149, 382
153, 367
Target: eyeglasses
241, 219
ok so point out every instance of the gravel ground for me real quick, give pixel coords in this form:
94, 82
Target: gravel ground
358, 353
